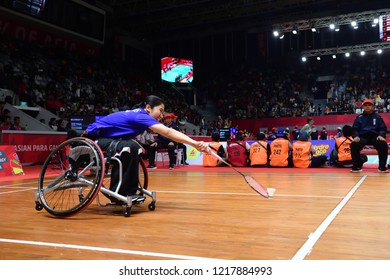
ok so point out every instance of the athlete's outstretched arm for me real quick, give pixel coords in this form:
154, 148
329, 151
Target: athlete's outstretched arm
177, 136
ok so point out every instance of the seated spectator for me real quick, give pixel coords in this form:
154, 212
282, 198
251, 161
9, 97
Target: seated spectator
369, 129
304, 153
6, 113
341, 154
164, 142
358, 106
280, 148
216, 147
259, 151
61, 126
295, 132
324, 133
272, 134
6, 125
314, 132
16, 125
53, 124
238, 151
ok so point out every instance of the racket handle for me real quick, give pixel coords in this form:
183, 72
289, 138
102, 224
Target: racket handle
209, 151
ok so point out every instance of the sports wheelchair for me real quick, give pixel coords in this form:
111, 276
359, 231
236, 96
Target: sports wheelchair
74, 173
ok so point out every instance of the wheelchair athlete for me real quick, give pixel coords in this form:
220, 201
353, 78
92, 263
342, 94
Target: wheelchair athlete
117, 130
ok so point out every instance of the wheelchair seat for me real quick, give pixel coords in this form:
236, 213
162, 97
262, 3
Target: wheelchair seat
76, 171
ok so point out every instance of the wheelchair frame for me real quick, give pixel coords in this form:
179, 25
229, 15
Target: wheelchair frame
75, 172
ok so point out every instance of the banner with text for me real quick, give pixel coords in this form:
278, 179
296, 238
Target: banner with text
32, 147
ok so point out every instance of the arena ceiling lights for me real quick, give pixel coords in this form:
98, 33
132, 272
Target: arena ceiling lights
332, 22
346, 50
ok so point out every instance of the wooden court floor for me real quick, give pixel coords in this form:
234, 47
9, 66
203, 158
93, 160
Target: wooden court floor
319, 214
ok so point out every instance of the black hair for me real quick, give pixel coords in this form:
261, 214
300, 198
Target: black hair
261, 136
239, 137
347, 130
71, 134
215, 137
152, 100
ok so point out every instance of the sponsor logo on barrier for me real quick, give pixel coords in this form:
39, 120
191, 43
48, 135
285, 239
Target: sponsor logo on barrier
9, 161
193, 153
3, 159
321, 149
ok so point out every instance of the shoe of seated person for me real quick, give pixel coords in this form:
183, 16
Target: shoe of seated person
115, 201
383, 169
186, 163
356, 169
171, 166
152, 166
136, 198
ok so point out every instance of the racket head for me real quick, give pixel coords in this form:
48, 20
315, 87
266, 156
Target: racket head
256, 186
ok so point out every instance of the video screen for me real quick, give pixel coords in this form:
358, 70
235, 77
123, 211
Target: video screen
82, 122
224, 134
176, 70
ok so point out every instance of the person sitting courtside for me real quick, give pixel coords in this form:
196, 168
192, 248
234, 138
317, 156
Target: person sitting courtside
304, 153
369, 129
341, 154
164, 142
216, 147
238, 151
259, 151
280, 151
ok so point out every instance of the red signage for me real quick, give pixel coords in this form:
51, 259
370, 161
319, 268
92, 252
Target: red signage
9, 161
32, 147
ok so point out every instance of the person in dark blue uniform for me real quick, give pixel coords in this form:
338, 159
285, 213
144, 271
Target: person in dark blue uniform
167, 143
114, 133
369, 129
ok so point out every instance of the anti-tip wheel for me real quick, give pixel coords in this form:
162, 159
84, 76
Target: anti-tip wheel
152, 206
38, 206
127, 211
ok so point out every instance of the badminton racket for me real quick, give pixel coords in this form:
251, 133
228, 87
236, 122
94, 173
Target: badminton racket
249, 180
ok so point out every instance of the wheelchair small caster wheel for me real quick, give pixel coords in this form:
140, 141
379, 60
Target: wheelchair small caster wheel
38, 206
127, 211
152, 206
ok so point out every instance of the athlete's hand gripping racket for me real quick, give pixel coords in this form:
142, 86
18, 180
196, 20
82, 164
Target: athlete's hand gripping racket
250, 180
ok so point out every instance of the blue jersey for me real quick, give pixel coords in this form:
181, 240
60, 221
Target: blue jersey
124, 124
369, 126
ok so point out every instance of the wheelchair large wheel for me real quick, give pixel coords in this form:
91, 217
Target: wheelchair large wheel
143, 175
71, 177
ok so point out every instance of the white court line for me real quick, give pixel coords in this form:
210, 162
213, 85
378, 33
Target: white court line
22, 190
251, 194
205, 193
14, 185
314, 236
103, 249
254, 174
